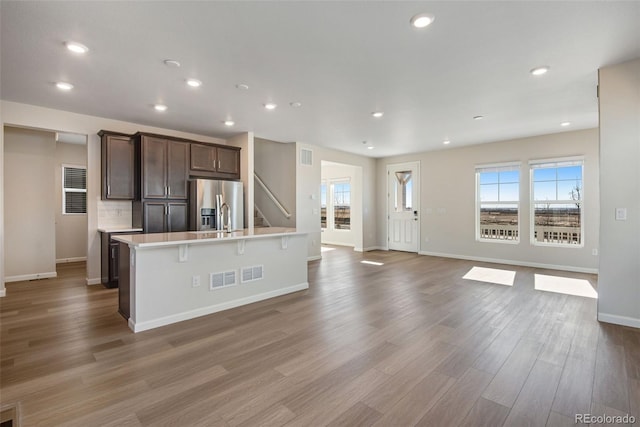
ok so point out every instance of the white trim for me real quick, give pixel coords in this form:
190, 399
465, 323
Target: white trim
375, 248
619, 320
516, 165
3, 292
556, 160
351, 245
355, 249
514, 262
167, 320
94, 281
72, 259
23, 277
314, 258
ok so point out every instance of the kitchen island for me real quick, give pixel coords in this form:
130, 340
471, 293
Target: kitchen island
170, 277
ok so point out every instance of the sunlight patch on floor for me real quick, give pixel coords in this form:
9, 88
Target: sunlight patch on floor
326, 249
372, 262
564, 285
491, 275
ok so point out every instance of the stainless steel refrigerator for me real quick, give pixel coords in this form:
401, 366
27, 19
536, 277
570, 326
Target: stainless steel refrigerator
216, 205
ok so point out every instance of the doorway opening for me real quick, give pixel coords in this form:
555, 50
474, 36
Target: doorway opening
45, 202
341, 194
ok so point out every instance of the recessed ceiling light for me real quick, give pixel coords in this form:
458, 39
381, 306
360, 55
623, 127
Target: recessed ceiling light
422, 20
377, 114
160, 107
296, 104
229, 123
76, 47
270, 106
478, 117
565, 124
64, 86
194, 82
171, 63
371, 147
242, 86
538, 71
446, 142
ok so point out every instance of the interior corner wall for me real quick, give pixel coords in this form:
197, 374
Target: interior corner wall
619, 279
30, 116
29, 159
71, 230
308, 199
3, 290
274, 164
245, 141
447, 200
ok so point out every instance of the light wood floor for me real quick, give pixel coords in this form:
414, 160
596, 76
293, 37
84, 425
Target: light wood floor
406, 343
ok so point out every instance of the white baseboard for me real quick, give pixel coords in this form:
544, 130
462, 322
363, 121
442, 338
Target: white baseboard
619, 320
66, 260
375, 248
511, 262
356, 249
3, 292
36, 276
97, 281
350, 245
314, 258
179, 317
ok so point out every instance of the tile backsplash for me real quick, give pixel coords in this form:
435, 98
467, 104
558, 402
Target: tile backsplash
114, 213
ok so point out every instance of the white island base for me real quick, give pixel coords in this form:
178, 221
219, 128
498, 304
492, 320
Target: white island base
170, 277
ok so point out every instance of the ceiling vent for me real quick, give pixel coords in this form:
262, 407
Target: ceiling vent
306, 157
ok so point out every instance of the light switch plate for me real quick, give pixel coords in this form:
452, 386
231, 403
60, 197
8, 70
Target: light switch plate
621, 214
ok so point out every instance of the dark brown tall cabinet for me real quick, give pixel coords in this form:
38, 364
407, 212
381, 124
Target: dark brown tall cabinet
164, 166
119, 166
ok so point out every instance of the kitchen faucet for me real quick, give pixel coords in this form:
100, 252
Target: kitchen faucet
227, 226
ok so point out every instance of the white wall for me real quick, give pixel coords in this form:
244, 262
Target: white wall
619, 279
337, 171
56, 120
447, 200
29, 192
71, 230
274, 163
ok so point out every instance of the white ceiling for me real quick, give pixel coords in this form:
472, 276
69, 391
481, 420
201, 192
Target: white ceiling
341, 60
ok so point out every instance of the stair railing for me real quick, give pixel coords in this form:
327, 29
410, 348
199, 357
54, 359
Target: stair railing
272, 196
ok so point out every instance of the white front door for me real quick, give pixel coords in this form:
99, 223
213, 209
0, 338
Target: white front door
403, 206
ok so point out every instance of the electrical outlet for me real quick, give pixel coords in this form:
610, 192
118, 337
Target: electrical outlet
195, 281
594, 252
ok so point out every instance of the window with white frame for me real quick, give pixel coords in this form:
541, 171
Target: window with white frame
498, 202
74, 190
557, 194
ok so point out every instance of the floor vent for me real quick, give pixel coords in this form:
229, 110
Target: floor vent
222, 280
306, 157
249, 274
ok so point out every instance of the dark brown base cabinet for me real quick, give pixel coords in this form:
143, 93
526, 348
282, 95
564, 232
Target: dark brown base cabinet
124, 289
161, 217
110, 256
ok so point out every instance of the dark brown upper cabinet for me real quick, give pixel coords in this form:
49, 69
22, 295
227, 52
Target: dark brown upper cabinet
119, 166
165, 167
215, 161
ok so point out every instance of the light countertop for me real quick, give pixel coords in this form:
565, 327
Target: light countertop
118, 229
191, 237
